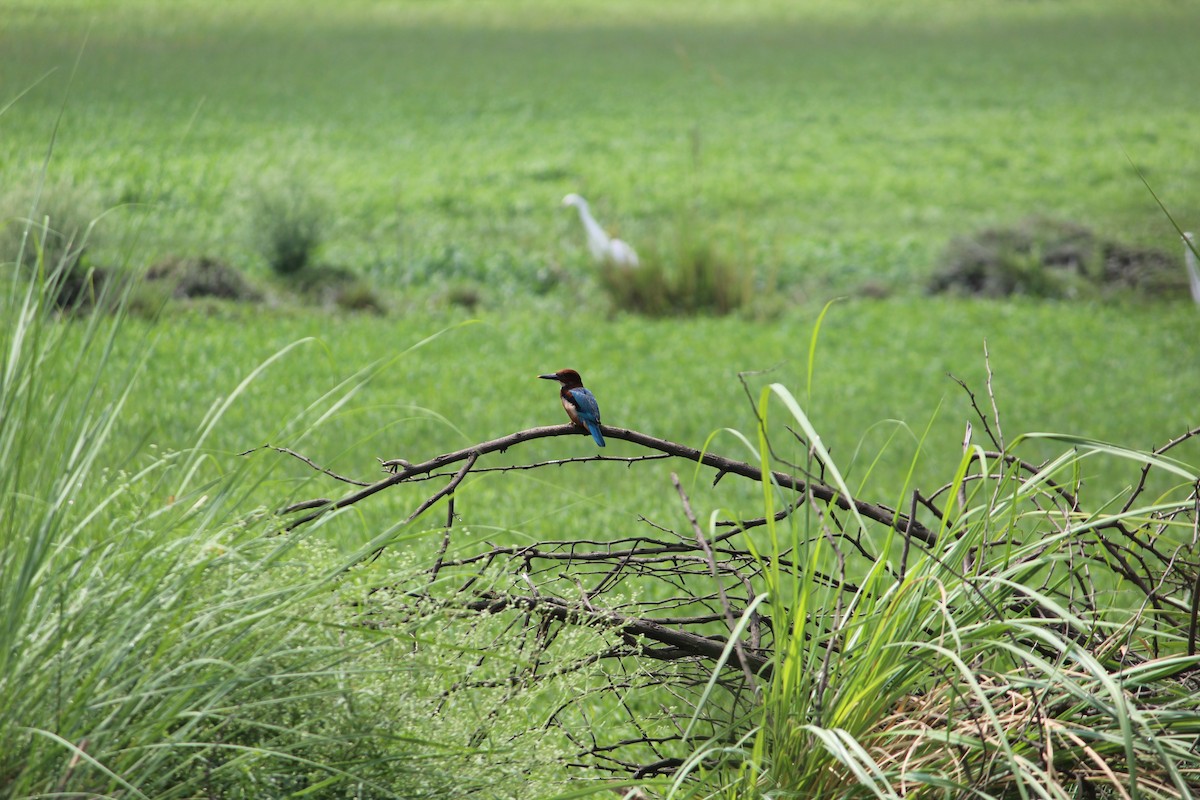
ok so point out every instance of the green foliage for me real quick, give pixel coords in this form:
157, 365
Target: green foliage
288, 222
60, 229
56, 238
695, 280
1048, 258
335, 287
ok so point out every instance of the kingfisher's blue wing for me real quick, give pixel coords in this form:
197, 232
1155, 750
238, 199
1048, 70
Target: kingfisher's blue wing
588, 411
585, 404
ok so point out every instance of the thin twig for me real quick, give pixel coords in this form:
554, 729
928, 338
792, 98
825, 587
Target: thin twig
437, 564
308, 461
978, 411
712, 567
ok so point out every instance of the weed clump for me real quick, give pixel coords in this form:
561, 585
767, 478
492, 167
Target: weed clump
55, 224
288, 225
699, 280
54, 228
464, 295
191, 278
336, 287
1048, 258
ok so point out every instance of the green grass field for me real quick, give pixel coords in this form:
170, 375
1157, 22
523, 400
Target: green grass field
827, 148
819, 148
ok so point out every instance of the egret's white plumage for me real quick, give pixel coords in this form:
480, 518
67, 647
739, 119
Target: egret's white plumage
1189, 258
605, 248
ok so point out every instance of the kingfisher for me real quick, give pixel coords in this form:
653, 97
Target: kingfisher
580, 404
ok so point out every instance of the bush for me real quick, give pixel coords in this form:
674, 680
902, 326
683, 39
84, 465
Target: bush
189, 278
56, 220
1041, 257
698, 280
287, 225
336, 287
53, 226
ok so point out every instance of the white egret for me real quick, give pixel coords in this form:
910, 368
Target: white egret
1189, 258
605, 248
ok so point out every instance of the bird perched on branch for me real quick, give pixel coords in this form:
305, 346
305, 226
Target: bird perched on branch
605, 249
580, 404
1189, 259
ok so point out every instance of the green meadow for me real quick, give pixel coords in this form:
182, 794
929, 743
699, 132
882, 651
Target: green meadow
824, 149
170, 642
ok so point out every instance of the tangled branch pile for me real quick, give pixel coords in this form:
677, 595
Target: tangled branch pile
999, 635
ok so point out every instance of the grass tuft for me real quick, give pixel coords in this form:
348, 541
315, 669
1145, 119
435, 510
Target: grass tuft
156, 638
288, 223
1036, 648
694, 280
54, 226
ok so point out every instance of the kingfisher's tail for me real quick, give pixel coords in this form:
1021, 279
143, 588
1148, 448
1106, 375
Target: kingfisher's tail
594, 430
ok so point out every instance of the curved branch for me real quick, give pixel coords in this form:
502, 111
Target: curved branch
818, 490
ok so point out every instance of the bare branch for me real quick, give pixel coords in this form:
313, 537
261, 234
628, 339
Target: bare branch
716, 574
818, 490
448, 489
1158, 451
681, 644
